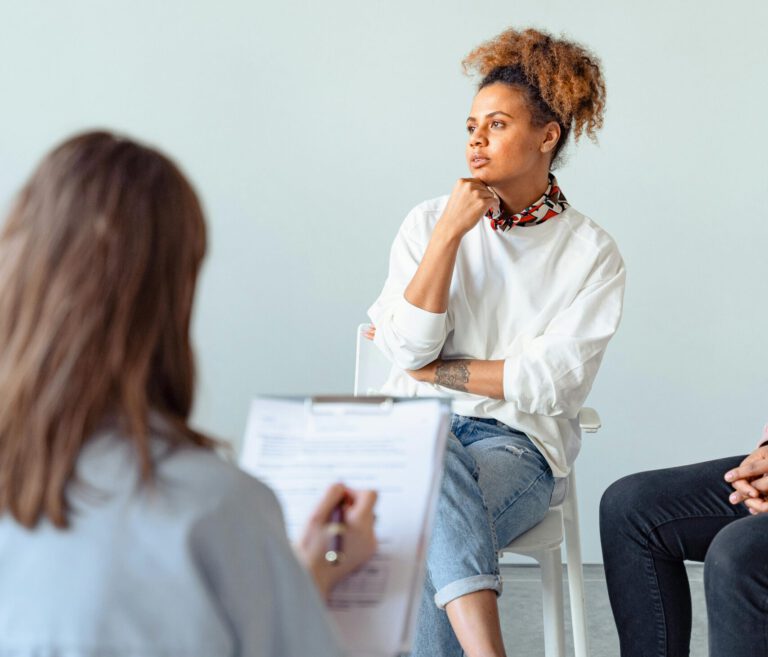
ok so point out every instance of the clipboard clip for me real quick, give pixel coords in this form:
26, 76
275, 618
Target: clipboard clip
347, 405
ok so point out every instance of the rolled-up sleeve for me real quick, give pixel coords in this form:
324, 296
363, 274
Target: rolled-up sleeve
409, 336
552, 373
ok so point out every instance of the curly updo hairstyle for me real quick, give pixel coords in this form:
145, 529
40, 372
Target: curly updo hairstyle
561, 79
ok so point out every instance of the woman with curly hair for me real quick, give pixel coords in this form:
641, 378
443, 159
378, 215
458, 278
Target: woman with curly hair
504, 297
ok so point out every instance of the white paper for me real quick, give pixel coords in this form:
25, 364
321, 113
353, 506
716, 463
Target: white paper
299, 449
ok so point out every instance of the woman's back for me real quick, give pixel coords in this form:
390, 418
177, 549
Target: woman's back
195, 564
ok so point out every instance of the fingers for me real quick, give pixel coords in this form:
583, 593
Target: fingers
761, 485
757, 506
370, 332
361, 504
482, 190
757, 488
737, 497
332, 497
744, 488
494, 206
750, 470
476, 187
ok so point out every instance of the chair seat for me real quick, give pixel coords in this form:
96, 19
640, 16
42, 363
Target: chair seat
559, 491
547, 535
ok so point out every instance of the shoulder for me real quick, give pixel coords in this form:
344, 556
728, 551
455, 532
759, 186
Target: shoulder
420, 221
591, 236
213, 482
193, 481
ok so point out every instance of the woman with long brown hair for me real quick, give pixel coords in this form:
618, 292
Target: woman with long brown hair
121, 530
504, 297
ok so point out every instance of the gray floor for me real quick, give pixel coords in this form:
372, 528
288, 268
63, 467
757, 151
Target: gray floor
522, 623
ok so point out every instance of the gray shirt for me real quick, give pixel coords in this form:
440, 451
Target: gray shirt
195, 565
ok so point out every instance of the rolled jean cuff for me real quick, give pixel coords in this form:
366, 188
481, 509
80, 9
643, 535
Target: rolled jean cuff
467, 585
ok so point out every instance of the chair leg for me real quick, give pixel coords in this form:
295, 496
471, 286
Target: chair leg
575, 571
552, 597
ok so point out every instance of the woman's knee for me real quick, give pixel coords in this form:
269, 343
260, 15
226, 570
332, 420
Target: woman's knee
458, 461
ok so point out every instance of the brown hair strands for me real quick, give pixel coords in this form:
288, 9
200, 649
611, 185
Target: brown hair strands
98, 262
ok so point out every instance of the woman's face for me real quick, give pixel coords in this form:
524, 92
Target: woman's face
502, 146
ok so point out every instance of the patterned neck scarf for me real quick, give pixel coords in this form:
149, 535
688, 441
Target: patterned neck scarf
550, 205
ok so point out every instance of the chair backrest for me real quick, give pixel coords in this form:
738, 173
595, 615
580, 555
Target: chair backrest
371, 366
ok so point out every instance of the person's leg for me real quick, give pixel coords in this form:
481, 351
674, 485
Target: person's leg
650, 523
515, 479
434, 635
517, 483
736, 587
493, 465
475, 622
462, 553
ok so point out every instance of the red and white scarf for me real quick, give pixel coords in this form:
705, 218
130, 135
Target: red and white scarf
551, 204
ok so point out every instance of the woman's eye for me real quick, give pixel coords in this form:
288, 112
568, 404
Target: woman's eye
470, 129
497, 124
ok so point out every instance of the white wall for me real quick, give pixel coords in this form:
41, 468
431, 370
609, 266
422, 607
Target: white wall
310, 130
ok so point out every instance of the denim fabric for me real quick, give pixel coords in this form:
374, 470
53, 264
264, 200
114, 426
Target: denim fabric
496, 485
650, 523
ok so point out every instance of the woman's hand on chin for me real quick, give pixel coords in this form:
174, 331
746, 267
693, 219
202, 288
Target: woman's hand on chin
468, 203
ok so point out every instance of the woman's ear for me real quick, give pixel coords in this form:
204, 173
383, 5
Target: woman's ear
551, 137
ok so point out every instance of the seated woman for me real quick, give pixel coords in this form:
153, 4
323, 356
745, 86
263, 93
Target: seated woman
121, 530
715, 512
504, 297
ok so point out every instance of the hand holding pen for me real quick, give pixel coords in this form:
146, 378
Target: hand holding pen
336, 529
343, 519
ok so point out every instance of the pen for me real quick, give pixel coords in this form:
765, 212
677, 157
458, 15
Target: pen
336, 529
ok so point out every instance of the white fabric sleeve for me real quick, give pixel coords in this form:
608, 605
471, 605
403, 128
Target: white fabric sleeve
551, 374
409, 336
265, 595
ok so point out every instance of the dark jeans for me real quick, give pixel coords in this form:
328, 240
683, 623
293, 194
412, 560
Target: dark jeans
649, 523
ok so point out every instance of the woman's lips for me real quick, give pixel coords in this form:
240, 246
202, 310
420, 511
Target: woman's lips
478, 161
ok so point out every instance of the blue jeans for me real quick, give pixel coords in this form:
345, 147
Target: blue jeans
650, 523
496, 485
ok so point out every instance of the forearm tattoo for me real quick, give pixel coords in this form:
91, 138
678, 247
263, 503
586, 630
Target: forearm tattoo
453, 374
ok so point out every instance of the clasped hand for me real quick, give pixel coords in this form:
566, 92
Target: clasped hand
750, 481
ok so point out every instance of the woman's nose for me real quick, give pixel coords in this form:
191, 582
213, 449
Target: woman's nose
477, 138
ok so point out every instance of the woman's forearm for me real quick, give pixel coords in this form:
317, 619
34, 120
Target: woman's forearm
479, 377
467, 205
431, 283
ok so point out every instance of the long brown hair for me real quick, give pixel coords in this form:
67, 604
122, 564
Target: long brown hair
98, 262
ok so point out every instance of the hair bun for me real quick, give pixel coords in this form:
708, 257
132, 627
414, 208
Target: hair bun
565, 73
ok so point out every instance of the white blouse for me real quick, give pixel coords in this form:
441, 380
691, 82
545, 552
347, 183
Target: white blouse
545, 299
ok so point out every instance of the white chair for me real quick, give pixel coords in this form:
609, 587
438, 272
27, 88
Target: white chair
542, 542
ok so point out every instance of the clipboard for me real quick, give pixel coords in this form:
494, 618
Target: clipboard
300, 445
